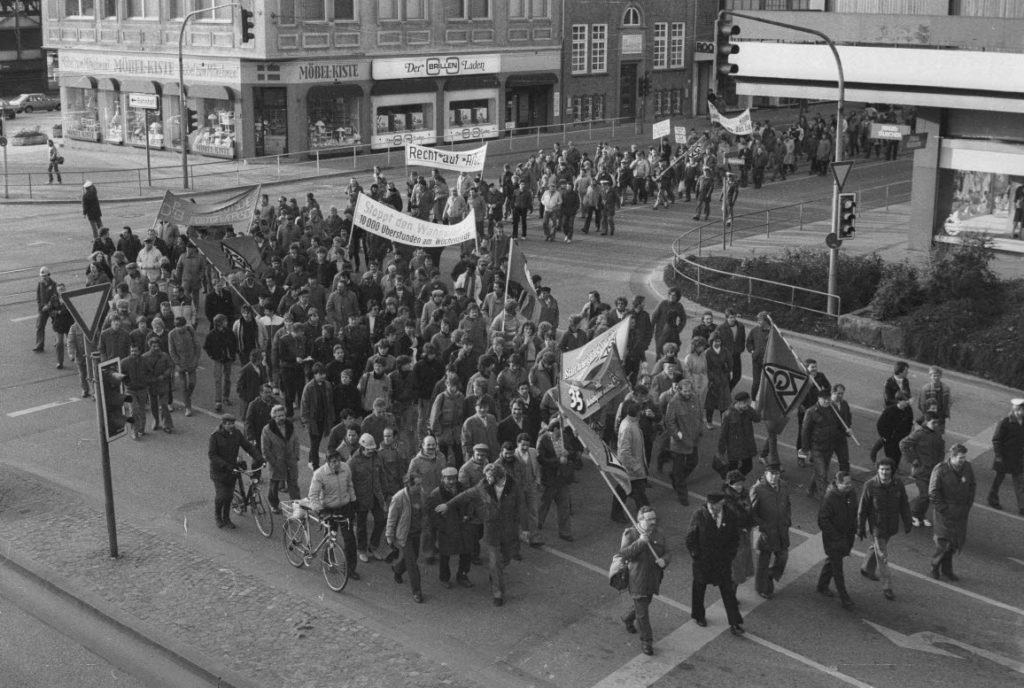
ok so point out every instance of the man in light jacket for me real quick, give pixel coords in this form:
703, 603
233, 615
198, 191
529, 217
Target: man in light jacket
631, 454
404, 529
280, 446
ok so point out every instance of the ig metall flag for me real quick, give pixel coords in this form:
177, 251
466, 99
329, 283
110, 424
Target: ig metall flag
784, 382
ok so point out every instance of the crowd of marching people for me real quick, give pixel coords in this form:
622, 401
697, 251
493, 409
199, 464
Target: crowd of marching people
432, 399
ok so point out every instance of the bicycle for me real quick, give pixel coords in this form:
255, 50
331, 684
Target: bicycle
251, 499
299, 549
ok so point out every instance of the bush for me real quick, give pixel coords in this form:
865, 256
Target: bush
962, 271
898, 292
25, 133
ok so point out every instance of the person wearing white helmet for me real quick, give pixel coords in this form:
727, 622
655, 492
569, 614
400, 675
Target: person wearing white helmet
368, 480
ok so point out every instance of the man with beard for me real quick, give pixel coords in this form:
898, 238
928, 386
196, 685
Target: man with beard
449, 530
280, 445
684, 427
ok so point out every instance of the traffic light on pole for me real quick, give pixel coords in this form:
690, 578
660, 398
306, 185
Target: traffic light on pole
112, 399
193, 120
248, 26
645, 85
847, 215
725, 30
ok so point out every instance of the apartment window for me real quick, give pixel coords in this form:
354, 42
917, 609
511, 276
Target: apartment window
631, 17
78, 8
599, 48
313, 10
471, 9
578, 55
109, 9
676, 56
344, 10
660, 45
222, 13
175, 8
767, 4
529, 9
143, 9
398, 10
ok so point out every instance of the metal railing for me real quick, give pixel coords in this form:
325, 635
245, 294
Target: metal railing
209, 175
796, 215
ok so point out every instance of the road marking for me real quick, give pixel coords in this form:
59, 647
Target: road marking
1016, 560
831, 671
925, 641
24, 318
44, 407
40, 243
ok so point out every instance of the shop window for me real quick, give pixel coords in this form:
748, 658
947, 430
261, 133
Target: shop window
579, 49
109, 9
144, 124
111, 117
175, 9
599, 48
143, 9
676, 54
216, 135
81, 115
599, 106
344, 10
982, 202
333, 116
657, 103
677, 101
473, 116
79, 8
529, 9
172, 121
660, 45
631, 17
270, 126
400, 119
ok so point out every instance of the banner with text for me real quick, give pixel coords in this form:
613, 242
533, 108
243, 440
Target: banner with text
385, 221
661, 129
457, 161
740, 125
236, 210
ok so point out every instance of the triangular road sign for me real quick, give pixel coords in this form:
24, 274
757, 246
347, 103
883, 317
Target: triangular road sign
87, 306
840, 171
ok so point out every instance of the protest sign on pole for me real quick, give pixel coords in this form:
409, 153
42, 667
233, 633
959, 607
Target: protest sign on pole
662, 128
457, 161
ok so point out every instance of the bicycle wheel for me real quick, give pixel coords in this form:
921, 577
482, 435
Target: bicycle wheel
334, 566
261, 512
294, 538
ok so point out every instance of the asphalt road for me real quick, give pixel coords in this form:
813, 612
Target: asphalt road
560, 627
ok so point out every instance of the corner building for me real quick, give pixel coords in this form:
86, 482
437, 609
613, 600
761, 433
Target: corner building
320, 76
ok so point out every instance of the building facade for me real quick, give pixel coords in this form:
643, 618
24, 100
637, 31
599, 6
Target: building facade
320, 76
22, 62
955, 62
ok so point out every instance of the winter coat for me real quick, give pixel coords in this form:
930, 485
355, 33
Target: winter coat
223, 453
428, 470
719, 368
822, 432
631, 450
449, 530
280, 450
367, 479
923, 449
738, 503
951, 493
317, 410
183, 347
474, 432
684, 424
837, 518
772, 512
644, 573
736, 438
881, 508
500, 517
402, 519
712, 547
893, 425
1008, 446
221, 346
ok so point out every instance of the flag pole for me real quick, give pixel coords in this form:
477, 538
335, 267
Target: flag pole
622, 503
508, 280
223, 277
846, 427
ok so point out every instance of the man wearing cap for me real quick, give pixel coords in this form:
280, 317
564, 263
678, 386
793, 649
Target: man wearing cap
684, 426
883, 503
149, 257
951, 490
331, 492
736, 443
821, 434
317, 411
368, 482
224, 444
923, 449
450, 531
46, 291
712, 540
1008, 447
837, 518
771, 510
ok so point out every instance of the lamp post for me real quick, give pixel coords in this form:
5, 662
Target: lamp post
833, 255
183, 124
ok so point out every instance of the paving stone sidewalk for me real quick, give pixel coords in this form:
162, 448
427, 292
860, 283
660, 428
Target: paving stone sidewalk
268, 635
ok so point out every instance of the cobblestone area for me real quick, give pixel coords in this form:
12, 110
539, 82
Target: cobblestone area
269, 635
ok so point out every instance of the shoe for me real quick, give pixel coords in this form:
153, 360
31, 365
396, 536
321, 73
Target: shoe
353, 575
86, 395
847, 603
228, 402
156, 426
220, 524
136, 436
228, 523
703, 623
826, 592
276, 511
38, 349
916, 521
696, 217
517, 556
647, 648
994, 503
763, 460
869, 576
567, 538
709, 425
447, 585
537, 544
464, 582
802, 455
497, 601
630, 626
934, 573
684, 500
417, 597
188, 411
310, 464
397, 576
951, 576
767, 595
363, 557
736, 630
887, 593
168, 429
217, 408
60, 366
926, 523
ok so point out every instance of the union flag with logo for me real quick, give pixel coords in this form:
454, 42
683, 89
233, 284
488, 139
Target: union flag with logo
784, 382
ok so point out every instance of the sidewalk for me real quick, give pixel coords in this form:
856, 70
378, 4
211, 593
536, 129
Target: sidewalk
221, 621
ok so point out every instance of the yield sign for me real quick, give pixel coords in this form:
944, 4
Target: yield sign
88, 306
840, 171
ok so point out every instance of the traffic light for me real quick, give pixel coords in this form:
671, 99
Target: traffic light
193, 120
645, 85
725, 31
847, 215
248, 26
112, 400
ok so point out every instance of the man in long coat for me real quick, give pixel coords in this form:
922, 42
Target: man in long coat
951, 491
713, 539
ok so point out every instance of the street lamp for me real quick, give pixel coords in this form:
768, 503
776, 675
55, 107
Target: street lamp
182, 124
833, 256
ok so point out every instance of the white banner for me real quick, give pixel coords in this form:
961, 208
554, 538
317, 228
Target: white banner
458, 161
662, 128
680, 133
385, 221
739, 125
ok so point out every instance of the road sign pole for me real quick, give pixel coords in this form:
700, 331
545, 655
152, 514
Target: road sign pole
149, 169
108, 485
5, 172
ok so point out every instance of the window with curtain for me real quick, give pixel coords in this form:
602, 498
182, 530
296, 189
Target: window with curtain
599, 48
677, 38
660, 45
578, 54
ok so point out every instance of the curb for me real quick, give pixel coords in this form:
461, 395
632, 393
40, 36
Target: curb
212, 670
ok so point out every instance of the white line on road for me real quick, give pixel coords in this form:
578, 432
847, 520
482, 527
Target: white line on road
1016, 560
43, 407
24, 318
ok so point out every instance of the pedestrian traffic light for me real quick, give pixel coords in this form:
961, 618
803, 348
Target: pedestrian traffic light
725, 31
847, 215
112, 400
193, 120
248, 26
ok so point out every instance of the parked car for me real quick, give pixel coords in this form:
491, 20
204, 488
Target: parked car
29, 102
7, 109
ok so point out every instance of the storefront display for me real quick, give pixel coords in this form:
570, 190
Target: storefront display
471, 115
270, 107
142, 123
216, 134
81, 114
984, 202
401, 119
171, 111
333, 116
112, 119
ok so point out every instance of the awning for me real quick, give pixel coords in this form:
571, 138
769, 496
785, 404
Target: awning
540, 79
396, 86
140, 86
468, 83
81, 82
109, 84
211, 92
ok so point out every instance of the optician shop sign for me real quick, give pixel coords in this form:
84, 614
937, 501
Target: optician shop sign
435, 65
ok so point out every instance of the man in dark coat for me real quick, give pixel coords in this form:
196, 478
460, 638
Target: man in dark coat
772, 512
923, 449
225, 442
46, 291
317, 411
883, 503
821, 434
951, 491
646, 550
736, 443
894, 423
449, 530
734, 337
1008, 447
837, 518
641, 330
712, 539
368, 482
669, 319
